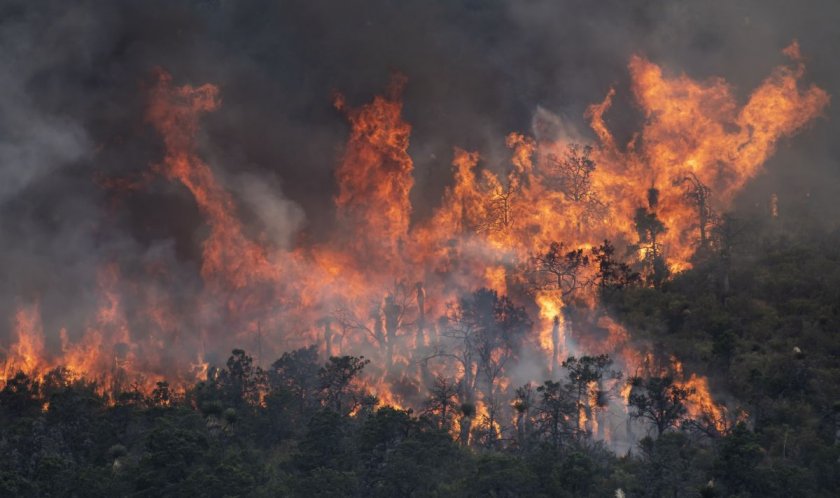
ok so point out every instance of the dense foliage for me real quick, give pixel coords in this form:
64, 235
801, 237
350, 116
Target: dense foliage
760, 318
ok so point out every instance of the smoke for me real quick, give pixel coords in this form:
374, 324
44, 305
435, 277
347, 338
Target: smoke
280, 218
77, 187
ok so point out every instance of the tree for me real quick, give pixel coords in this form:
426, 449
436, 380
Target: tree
738, 459
442, 402
20, 396
555, 411
325, 443
523, 403
650, 228
297, 373
700, 196
335, 381
573, 176
558, 270
727, 234
503, 476
388, 316
424, 462
658, 400
498, 210
496, 345
243, 383
669, 467
161, 395
172, 453
612, 274
487, 331
381, 435
585, 383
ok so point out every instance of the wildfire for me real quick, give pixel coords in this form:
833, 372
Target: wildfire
382, 284
230, 258
374, 176
27, 352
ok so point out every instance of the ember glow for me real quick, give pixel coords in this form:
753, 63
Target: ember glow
388, 285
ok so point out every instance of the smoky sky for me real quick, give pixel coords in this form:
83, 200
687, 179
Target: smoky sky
73, 74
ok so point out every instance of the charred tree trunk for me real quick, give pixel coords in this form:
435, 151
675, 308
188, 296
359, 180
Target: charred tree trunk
392, 316
468, 406
328, 336
421, 318
378, 330
601, 402
521, 416
555, 344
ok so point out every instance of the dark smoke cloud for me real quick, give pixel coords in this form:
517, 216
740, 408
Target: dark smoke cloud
72, 76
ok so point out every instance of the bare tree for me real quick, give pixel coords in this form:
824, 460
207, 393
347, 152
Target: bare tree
421, 315
727, 235
558, 269
573, 176
576, 172
700, 196
388, 317
442, 401
496, 344
561, 271
487, 331
461, 327
497, 210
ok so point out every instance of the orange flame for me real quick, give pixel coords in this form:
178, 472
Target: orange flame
353, 291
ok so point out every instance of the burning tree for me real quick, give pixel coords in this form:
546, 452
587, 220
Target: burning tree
586, 375
612, 274
497, 211
558, 270
700, 196
650, 228
487, 331
441, 403
573, 176
388, 317
523, 403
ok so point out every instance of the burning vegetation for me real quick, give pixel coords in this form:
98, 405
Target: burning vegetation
497, 318
463, 314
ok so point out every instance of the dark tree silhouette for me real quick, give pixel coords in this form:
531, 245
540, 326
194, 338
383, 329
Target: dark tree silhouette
442, 403
555, 410
700, 196
558, 269
335, 382
658, 400
573, 176
649, 228
585, 382
612, 274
